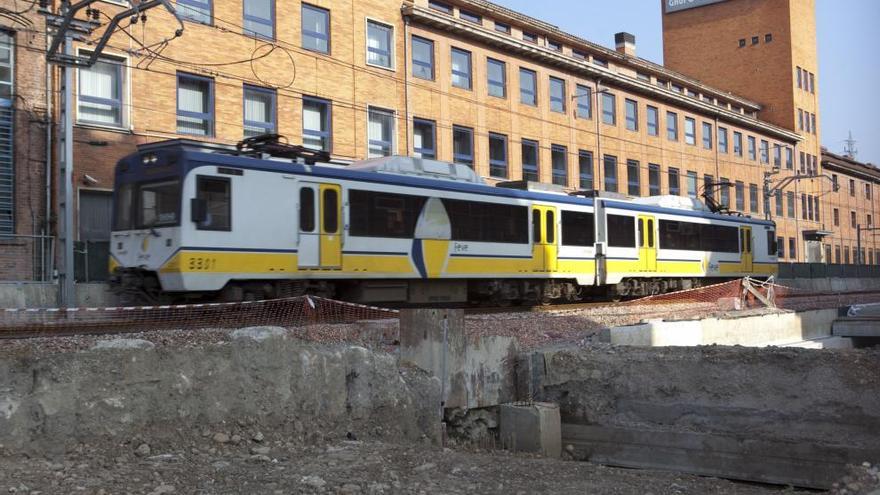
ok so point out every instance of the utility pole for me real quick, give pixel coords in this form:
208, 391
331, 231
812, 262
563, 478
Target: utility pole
65, 28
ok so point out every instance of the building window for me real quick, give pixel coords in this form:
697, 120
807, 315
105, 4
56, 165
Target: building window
633, 178
753, 198
779, 206
742, 42
559, 163
816, 207
463, 145
789, 158
600, 62
578, 54
498, 155
380, 45
690, 131
644, 77
610, 173
423, 58
653, 179
100, 92
800, 119
381, 132
777, 156
195, 105
530, 37
671, 126
317, 124
812, 83
442, 7
725, 192
752, 152
609, 110
722, 140
7, 135
800, 79
867, 191
554, 45
852, 187
806, 207
780, 247
737, 143
470, 16
195, 10
259, 111
765, 152
836, 214
530, 158
502, 28
585, 170
837, 254
707, 136
557, 95
813, 122
653, 121
632, 115
424, 138
768, 37
708, 189
846, 254
853, 220
740, 196
496, 72
461, 68
692, 184
789, 196
674, 184
870, 221
755, 40
259, 18
807, 121
584, 102
528, 87
315, 29
792, 252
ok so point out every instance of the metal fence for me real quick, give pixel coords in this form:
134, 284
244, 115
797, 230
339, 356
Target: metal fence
27, 258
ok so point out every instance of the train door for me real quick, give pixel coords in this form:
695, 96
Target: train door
320, 215
647, 244
746, 255
544, 234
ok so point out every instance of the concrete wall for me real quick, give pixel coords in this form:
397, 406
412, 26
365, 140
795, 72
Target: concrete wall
52, 402
45, 295
737, 407
755, 331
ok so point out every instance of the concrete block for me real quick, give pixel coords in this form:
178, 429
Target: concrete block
857, 327
533, 427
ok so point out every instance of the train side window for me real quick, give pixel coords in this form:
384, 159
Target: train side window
376, 214
307, 209
578, 228
772, 248
536, 226
489, 222
650, 232
641, 226
214, 199
551, 227
621, 231
330, 209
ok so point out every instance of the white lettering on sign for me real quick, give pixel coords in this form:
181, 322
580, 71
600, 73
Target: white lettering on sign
677, 5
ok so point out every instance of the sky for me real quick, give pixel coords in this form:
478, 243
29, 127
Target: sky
849, 55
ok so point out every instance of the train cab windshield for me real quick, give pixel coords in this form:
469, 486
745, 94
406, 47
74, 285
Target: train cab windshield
147, 205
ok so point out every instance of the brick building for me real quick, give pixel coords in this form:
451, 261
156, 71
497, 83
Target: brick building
25, 228
473, 82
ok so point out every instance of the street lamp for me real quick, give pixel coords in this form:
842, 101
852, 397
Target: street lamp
595, 114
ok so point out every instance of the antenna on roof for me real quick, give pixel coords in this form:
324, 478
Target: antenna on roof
849, 149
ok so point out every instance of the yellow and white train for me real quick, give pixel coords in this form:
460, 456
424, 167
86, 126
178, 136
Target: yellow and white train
194, 220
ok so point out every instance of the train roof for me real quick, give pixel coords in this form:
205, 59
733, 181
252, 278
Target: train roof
164, 159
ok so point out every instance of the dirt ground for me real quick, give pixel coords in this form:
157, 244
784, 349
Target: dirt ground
212, 463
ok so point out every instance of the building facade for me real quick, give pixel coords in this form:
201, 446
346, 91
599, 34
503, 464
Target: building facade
456, 80
853, 208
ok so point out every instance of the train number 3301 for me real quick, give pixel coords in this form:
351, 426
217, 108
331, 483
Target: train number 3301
202, 264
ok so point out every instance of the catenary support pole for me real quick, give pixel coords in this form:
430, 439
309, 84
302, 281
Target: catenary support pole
66, 296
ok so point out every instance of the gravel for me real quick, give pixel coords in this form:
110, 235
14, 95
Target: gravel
196, 465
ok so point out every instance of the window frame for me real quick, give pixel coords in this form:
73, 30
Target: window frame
672, 133
328, 121
588, 156
534, 89
535, 170
559, 175
471, 17
606, 98
420, 63
193, 4
673, 172
419, 152
208, 117
369, 21
121, 87
314, 34
708, 137
458, 157
753, 148
557, 104
609, 162
505, 162
656, 120
690, 138
491, 83
632, 121
723, 145
584, 111
654, 180
470, 68
633, 180
270, 22
273, 114
202, 178
392, 145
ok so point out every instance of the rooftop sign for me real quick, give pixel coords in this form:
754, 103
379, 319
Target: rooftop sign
676, 5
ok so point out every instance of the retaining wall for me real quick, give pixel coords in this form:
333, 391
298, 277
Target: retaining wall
50, 403
776, 415
45, 295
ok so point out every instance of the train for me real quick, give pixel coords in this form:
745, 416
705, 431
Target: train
201, 221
